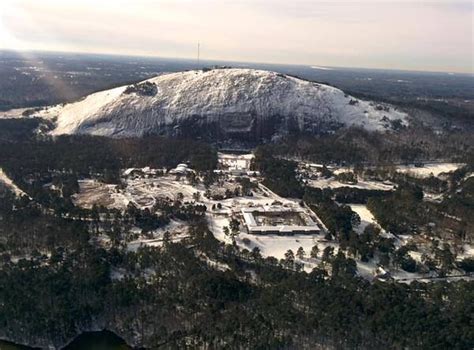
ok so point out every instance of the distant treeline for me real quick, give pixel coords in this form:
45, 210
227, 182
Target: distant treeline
358, 146
86, 155
402, 211
442, 108
18, 129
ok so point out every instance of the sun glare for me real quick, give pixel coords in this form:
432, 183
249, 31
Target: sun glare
6, 37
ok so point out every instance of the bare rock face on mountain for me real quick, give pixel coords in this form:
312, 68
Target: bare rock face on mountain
221, 104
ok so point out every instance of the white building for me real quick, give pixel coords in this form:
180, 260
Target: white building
145, 172
236, 164
278, 220
181, 169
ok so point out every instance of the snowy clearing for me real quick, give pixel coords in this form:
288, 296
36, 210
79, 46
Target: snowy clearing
10, 184
366, 217
13, 113
141, 192
367, 185
427, 170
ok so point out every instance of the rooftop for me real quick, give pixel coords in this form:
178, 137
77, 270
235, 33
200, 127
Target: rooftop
278, 219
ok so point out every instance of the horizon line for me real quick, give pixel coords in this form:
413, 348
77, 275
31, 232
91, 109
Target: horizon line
471, 73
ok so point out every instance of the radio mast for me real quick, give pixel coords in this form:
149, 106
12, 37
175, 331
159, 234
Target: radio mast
199, 53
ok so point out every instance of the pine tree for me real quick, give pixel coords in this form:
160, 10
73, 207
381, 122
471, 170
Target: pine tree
314, 251
300, 253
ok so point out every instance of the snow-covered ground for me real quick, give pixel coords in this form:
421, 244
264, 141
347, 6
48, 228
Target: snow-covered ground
433, 197
144, 191
275, 245
366, 217
12, 113
363, 184
468, 252
141, 192
177, 229
94, 192
429, 169
10, 184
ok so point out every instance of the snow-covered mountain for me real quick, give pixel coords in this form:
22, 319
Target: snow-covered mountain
221, 103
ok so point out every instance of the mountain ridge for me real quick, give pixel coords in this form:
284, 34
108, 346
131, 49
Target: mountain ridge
221, 103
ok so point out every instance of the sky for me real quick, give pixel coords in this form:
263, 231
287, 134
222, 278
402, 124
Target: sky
391, 34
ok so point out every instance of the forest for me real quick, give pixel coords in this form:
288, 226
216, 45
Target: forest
400, 212
354, 146
171, 296
56, 279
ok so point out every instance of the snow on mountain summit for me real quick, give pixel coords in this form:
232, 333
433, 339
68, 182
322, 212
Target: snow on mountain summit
221, 103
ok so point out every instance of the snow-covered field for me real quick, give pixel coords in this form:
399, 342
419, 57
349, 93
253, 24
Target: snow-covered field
277, 246
429, 169
366, 217
363, 184
94, 192
141, 192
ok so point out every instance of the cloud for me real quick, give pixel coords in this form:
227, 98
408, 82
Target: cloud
382, 33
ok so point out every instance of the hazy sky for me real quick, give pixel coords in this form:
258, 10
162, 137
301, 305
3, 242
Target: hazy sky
420, 35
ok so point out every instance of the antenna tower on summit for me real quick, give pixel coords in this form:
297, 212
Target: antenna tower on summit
199, 53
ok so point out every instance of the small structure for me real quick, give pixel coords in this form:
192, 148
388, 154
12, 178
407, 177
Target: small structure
236, 164
382, 274
181, 169
278, 219
138, 173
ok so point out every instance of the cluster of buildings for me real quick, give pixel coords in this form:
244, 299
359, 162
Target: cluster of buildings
236, 164
147, 172
270, 219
